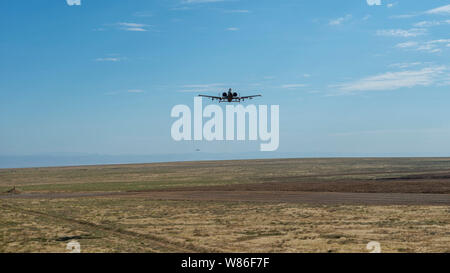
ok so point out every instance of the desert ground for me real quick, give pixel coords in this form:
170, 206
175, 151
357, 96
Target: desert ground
274, 205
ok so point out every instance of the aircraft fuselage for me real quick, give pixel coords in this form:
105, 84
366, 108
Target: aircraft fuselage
229, 96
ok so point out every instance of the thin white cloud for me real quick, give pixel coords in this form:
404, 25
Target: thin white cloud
143, 14
108, 59
395, 80
405, 65
200, 1
432, 46
181, 8
238, 11
73, 2
133, 26
135, 29
129, 91
402, 16
414, 32
232, 29
445, 10
373, 2
431, 23
407, 44
209, 87
427, 24
340, 20
392, 131
293, 85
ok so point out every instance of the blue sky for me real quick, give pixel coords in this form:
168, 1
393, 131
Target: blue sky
354, 77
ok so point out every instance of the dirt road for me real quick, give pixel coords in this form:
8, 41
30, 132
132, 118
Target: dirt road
328, 198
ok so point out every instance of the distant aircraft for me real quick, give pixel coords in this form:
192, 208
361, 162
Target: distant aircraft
230, 97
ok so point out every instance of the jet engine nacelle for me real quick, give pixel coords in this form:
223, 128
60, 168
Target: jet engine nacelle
235, 94
224, 94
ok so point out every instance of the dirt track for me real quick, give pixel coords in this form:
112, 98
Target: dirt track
429, 188
329, 198
307, 197
153, 243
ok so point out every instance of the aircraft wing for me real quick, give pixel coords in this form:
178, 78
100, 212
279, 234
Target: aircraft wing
211, 97
249, 97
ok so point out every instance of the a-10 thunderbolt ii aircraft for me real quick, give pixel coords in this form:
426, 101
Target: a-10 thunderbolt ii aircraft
230, 97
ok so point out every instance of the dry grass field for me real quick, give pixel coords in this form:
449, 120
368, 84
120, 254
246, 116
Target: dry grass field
282, 205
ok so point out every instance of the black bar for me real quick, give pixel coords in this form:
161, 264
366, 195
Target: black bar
257, 262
